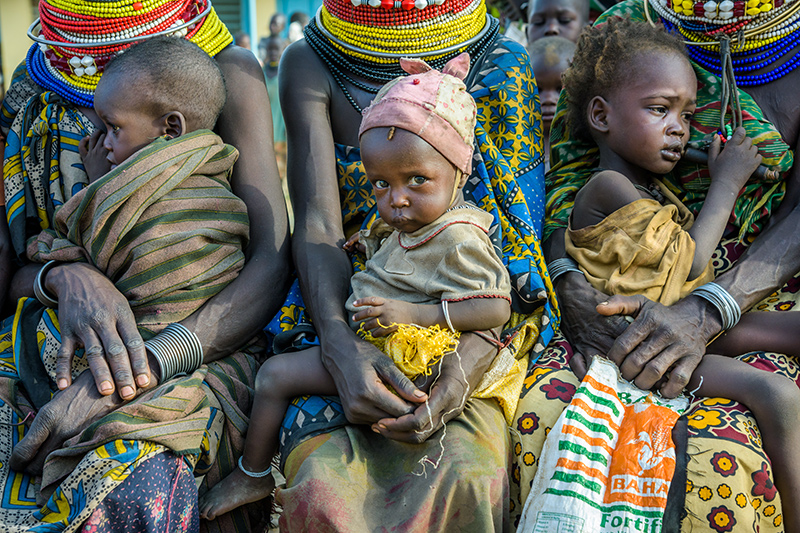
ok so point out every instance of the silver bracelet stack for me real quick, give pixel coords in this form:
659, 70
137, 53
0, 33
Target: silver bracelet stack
177, 350
38, 286
560, 266
728, 309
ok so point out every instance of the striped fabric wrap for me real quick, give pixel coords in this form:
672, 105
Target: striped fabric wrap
608, 462
164, 227
167, 230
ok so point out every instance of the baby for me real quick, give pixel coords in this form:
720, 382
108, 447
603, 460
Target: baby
158, 216
430, 261
632, 236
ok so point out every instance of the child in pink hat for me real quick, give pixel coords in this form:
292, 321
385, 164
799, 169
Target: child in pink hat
431, 268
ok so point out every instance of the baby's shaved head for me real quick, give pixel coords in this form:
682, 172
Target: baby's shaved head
173, 74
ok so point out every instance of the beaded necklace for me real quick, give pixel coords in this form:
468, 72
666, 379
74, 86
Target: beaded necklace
77, 38
760, 33
347, 65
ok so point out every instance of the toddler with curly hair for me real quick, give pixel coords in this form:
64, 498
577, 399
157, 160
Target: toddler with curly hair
632, 90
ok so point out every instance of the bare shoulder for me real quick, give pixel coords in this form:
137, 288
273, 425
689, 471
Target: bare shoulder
236, 61
301, 67
603, 194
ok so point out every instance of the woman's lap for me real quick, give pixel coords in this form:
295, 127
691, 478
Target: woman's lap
352, 479
160, 495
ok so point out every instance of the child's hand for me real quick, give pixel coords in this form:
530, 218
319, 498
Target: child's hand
736, 162
387, 312
354, 245
94, 155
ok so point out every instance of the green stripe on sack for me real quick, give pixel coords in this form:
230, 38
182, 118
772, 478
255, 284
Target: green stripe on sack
615, 508
596, 427
580, 450
593, 486
583, 391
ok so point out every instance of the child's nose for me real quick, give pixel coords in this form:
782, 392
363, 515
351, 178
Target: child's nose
552, 28
399, 198
107, 143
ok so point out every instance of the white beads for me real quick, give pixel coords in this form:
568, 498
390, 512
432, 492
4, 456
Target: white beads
421, 4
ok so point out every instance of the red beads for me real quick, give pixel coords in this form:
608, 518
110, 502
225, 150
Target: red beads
137, 6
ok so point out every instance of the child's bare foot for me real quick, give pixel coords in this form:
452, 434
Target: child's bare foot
234, 491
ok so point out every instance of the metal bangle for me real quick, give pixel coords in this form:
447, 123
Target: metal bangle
38, 286
172, 29
728, 308
560, 266
446, 312
250, 473
177, 350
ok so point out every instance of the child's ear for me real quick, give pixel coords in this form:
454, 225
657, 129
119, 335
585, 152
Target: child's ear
598, 114
462, 179
173, 124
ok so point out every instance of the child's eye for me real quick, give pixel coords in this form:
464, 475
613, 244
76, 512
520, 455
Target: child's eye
564, 20
380, 184
418, 180
660, 109
688, 116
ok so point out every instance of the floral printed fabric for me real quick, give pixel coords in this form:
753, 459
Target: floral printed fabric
159, 496
729, 477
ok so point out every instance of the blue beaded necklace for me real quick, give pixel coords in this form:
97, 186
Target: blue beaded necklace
749, 61
38, 71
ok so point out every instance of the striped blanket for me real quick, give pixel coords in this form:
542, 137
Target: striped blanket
167, 230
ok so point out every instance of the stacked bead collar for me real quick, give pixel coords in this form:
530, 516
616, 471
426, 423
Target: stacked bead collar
354, 50
759, 38
77, 38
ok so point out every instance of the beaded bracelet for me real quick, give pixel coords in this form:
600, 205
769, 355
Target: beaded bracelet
728, 308
38, 286
560, 266
250, 473
177, 350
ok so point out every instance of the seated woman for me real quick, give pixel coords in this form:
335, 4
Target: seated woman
359, 457
149, 474
729, 480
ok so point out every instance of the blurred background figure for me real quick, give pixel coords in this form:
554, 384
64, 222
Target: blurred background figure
277, 25
297, 22
557, 18
550, 57
243, 40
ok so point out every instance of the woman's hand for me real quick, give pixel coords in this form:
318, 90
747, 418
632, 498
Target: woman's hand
66, 415
93, 314
449, 391
588, 332
662, 342
362, 375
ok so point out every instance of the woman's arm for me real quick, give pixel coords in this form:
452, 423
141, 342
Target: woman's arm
359, 370
92, 313
230, 319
